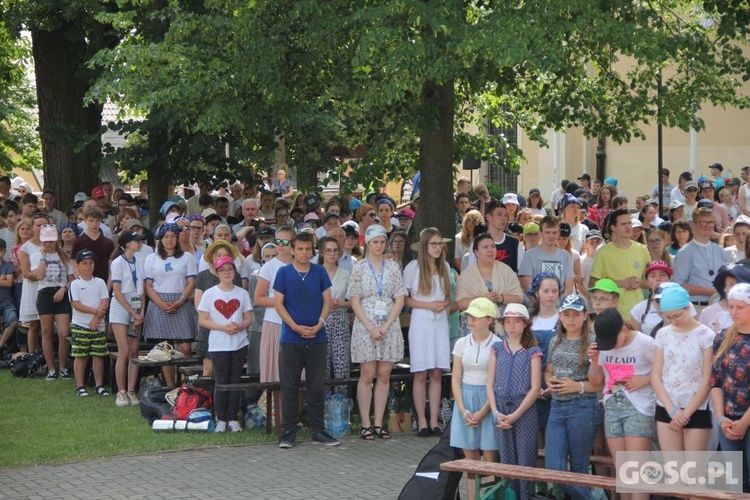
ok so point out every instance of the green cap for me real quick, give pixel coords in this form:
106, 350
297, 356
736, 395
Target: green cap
481, 307
531, 227
605, 285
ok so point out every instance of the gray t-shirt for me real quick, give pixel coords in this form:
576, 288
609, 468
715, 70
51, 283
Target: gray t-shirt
698, 264
565, 359
537, 260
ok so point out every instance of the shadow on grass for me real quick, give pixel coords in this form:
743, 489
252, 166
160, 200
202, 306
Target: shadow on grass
44, 422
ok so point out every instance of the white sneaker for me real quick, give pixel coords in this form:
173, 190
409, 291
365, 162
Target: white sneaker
234, 426
221, 426
122, 399
133, 399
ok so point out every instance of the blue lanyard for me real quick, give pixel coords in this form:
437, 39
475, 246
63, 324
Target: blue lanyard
379, 283
133, 270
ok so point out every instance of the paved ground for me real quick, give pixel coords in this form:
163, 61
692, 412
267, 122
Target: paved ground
356, 469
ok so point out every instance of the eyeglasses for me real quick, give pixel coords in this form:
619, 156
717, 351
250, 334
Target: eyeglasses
331, 251
282, 214
227, 270
704, 222
672, 317
283, 243
436, 244
196, 228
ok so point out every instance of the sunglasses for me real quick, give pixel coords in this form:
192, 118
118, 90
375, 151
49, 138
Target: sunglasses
283, 243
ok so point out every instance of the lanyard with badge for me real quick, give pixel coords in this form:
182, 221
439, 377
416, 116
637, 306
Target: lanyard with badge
381, 304
135, 300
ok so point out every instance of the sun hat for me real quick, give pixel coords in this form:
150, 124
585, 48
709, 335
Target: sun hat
605, 285
674, 298
48, 233
225, 259
208, 254
607, 327
375, 231
573, 302
510, 198
739, 271
531, 228
515, 311
658, 265
740, 291
481, 307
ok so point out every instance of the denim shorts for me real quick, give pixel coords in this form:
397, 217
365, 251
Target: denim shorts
10, 315
622, 419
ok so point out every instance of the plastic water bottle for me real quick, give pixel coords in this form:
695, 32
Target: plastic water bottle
392, 404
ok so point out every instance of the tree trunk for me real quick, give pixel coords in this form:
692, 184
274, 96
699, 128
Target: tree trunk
436, 203
70, 133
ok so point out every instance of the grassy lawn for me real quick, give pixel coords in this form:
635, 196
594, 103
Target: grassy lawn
44, 422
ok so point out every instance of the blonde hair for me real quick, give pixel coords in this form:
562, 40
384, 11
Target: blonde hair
21, 223
475, 214
730, 337
423, 263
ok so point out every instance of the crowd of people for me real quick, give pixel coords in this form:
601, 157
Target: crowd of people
583, 323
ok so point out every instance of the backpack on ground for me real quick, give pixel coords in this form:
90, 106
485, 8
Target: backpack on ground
154, 405
188, 399
423, 484
27, 365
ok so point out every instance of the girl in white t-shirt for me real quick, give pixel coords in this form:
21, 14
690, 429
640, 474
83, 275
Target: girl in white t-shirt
716, 316
471, 425
53, 271
225, 310
127, 273
645, 315
681, 376
622, 359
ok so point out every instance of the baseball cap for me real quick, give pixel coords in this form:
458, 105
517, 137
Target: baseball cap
691, 184
48, 232
311, 216
652, 201
481, 307
406, 213
718, 166
674, 298
607, 327
564, 229
705, 203
741, 220
311, 202
515, 227
637, 223
84, 254
705, 185
128, 236
79, 197
133, 223
573, 302
226, 259
674, 205
531, 228
586, 177
265, 231
734, 181
510, 198
534, 191
97, 192
207, 212
658, 265
351, 226
611, 180
594, 233
328, 216
605, 285
515, 311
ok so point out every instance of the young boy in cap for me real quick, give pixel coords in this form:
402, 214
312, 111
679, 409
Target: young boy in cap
89, 299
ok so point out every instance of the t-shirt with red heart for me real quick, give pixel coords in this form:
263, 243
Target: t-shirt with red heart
224, 308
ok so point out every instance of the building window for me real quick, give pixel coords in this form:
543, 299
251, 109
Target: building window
498, 173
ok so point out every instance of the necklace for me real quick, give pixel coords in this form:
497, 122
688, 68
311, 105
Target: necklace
708, 259
302, 275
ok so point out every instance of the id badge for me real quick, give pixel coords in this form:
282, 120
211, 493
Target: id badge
381, 310
136, 303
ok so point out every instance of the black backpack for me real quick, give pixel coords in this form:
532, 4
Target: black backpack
154, 405
27, 365
445, 487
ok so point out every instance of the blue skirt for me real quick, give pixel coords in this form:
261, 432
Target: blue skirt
473, 438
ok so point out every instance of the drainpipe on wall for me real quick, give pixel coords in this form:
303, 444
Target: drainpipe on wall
601, 157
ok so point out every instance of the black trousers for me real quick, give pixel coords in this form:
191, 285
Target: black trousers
292, 359
228, 367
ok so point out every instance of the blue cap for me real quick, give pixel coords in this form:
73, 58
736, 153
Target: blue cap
611, 180
574, 302
166, 206
569, 199
674, 298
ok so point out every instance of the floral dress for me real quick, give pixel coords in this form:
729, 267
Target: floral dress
363, 284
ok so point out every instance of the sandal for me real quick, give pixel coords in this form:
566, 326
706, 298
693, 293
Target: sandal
81, 391
366, 434
102, 391
381, 433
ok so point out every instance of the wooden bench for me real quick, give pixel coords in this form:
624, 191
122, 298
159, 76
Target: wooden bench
505, 471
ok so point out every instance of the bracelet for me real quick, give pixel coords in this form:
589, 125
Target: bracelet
674, 410
720, 420
502, 299
494, 417
184, 298
322, 319
582, 388
42, 260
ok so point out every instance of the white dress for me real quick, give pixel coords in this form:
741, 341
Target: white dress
28, 311
429, 332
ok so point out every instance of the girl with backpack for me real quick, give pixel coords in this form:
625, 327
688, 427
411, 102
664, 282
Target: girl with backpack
514, 380
225, 310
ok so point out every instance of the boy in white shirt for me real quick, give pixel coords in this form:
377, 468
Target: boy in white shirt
89, 299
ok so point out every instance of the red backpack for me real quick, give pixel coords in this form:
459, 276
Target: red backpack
188, 399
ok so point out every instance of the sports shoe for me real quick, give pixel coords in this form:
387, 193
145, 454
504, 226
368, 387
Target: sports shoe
133, 399
322, 437
221, 426
234, 426
82, 392
122, 399
51, 375
102, 391
64, 375
287, 439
